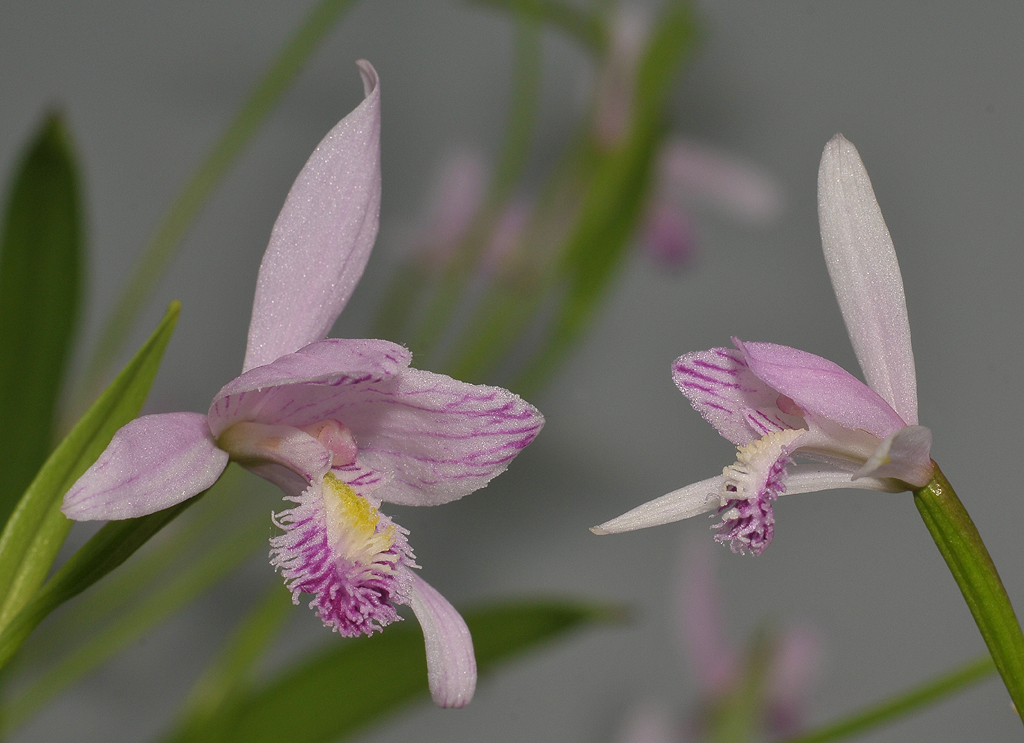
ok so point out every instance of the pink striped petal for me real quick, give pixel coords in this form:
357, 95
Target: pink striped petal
451, 664
322, 238
438, 438
294, 388
151, 464
821, 387
866, 276
723, 389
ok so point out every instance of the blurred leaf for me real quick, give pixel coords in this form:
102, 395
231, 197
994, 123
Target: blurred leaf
40, 279
344, 688
613, 202
585, 26
110, 547
36, 529
233, 668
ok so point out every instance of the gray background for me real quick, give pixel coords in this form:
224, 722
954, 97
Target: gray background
931, 95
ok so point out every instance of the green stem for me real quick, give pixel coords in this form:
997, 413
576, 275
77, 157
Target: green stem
904, 704
190, 200
964, 552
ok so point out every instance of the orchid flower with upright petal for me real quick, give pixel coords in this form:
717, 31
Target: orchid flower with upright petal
342, 426
776, 403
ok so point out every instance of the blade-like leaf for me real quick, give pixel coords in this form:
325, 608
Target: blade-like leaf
36, 529
40, 277
349, 685
110, 547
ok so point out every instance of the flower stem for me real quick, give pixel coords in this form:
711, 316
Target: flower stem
964, 552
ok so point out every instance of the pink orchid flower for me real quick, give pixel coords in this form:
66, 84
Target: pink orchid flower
776, 402
340, 425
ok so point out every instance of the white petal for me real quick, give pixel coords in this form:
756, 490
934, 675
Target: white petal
692, 500
904, 455
812, 478
451, 665
866, 276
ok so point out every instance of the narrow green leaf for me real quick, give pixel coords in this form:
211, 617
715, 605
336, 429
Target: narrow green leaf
904, 704
40, 283
351, 684
36, 529
110, 547
204, 179
968, 560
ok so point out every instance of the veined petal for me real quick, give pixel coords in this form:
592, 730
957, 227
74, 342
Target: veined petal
723, 389
904, 455
451, 664
152, 463
821, 387
271, 393
866, 276
693, 500
322, 238
438, 438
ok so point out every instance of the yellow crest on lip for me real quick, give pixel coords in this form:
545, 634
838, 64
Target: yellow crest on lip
353, 522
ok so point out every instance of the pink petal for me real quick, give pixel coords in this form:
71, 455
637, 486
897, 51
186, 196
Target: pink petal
821, 387
322, 238
701, 628
904, 455
288, 457
722, 388
451, 665
648, 724
456, 200
691, 172
151, 464
667, 236
866, 276
790, 678
438, 438
692, 500
286, 391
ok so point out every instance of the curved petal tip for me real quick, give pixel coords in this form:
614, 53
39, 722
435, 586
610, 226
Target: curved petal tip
451, 664
323, 236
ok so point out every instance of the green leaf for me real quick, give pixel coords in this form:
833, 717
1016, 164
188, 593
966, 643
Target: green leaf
968, 560
36, 529
344, 688
907, 702
40, 284
110, 547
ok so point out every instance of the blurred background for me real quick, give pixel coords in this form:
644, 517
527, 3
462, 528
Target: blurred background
931, 94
